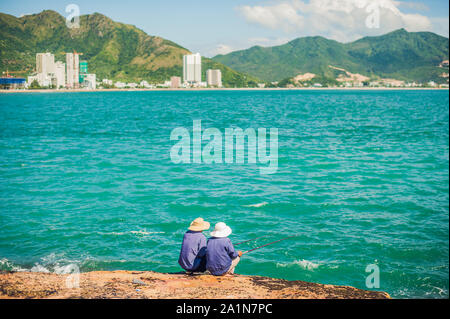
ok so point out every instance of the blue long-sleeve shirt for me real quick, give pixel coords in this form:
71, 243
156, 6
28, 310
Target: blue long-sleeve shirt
194, 246
219, 254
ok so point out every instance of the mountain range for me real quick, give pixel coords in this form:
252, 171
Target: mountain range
403, 55
113, 50
122, 52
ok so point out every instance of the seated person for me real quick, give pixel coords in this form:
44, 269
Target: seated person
193, 250
221, 257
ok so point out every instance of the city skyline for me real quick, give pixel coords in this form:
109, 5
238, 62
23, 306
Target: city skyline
74, 75
245, 23
55, 74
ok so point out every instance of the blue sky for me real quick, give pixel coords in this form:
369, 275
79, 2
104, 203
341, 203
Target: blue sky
211, 27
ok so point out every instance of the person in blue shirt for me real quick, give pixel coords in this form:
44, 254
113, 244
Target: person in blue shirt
193, 250
221, 257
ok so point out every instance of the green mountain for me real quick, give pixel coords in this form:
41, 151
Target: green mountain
113, 50
400, 54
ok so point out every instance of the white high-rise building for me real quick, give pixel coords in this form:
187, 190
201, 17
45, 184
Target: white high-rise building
45, 63
60, 74
73, 70
90, 81
214, 78
192, 68
45, 69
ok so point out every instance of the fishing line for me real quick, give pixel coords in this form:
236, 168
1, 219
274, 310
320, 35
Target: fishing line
277, 241
243, 242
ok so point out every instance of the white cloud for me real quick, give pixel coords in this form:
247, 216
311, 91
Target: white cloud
282, 15
267, 41
342, 20
222, 49
245, 44
414, 5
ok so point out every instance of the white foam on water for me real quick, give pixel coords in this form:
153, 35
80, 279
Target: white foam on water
141, 232
114, 233
304, 264
5, 264
53, 263
39, 268
134, 232
437, 292
257, 205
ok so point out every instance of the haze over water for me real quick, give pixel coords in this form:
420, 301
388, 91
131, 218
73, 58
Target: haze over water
362, 178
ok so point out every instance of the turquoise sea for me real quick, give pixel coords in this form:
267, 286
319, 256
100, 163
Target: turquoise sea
363, 178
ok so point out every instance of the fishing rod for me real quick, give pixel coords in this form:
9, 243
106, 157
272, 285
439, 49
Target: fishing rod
243, 242
246, 252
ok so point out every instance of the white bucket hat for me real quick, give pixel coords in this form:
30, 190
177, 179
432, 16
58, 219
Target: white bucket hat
221, 230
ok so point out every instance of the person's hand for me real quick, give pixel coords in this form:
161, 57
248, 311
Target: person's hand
240, 253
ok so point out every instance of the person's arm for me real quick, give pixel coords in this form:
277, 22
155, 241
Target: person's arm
232, 252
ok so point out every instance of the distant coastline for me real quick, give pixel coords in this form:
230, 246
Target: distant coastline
226, 89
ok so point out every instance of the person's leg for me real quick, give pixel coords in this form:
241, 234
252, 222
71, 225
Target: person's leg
202, 265
234, 263
194, 266
199, 264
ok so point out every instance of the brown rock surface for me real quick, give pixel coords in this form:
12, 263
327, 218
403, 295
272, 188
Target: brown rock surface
140, 284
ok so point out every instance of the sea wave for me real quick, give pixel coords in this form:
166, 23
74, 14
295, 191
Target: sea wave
141, 232
53, 263
304, 264
6, 265
257, 205
134, 232
57, 263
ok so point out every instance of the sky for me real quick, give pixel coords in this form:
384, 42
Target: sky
214, 27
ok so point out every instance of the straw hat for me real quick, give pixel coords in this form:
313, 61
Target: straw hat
199, 224
221, 230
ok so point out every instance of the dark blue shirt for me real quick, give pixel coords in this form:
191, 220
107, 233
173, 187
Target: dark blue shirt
219, 254
194, 246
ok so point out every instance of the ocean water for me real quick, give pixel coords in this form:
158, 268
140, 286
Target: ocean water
363, 178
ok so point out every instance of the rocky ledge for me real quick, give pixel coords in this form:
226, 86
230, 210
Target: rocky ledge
137, 284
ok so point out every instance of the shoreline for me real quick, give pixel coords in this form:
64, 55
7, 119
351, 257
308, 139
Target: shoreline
222, 89
152, 285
